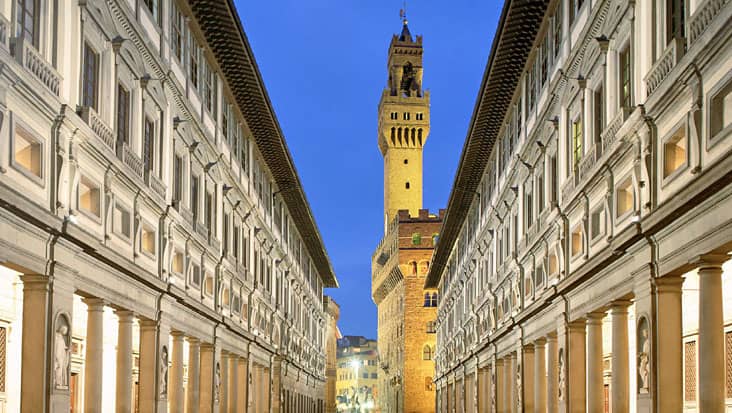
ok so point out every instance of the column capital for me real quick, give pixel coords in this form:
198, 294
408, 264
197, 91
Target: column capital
620, 306
94, 303
540, 342
595, 317
668, 284
35, 281
193, 341
712, 261
528, 348
177, 335
578, 324
551, 337
205, 346
125, 316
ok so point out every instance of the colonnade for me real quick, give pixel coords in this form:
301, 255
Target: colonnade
576, 368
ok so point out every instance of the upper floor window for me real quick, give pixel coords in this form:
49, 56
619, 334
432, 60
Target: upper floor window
177, 178
675, 19
406, 116
194, 61
210, 212
626, 78
574, 8
194, 197
433, 300
427, 352
26, 14
394, 115
416, 238
419, 116
90, 88
209, 86
27, 151
123, 114
153, 6
148, 149
177, 35
557, 30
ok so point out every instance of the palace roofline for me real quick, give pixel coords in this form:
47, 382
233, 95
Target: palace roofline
515, 34
225, 35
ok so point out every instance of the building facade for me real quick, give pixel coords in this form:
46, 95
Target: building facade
332, 335
157, 252
583, 263
357, 372
406, 311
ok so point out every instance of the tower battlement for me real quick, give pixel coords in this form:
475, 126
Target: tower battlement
424, 215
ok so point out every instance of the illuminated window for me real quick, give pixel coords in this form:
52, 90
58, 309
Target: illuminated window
625, 74
576, 240
624, 198
427, 352
674, 152
147, 240
177, 264
196, 275
208, 285
89, 199
27, 152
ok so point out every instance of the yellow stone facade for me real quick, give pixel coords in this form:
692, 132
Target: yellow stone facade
406, 311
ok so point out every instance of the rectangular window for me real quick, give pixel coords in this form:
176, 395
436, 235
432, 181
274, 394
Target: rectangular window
90, 86
225, 124
599, 112
27, 12
624, 198
121, 221
177, 36
675, 20
177, 264
194, 197
89, 199
577, 150
528, 204
597, 223
196, 275
209, 87
147, 241
576, 242
177, 178
193, 64
210, 213
529, 89
626, 78
721, 110
235, 242
123, 114
225, 234
554, 177
149, 146
153, 6
27, 151
674, 152
540, 202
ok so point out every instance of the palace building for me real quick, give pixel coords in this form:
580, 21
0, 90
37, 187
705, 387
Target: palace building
157, 251
584, 260
406, 311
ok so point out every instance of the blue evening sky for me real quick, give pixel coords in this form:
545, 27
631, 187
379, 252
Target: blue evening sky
324, 66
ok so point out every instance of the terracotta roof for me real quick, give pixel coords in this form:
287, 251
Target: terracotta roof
517, 28
225, 35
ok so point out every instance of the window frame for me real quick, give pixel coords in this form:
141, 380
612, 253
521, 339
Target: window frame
119, 232
29, 132
679, 126
98, 187
89, 50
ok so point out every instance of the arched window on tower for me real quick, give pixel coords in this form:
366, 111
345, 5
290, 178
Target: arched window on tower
427, 352
419, 136
413, 268
393, 136
427, 300
433, 301
399, 135
407, 185
413, 133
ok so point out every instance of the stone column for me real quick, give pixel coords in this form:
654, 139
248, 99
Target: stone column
528, 373
224, 392
619, 381
152, 396
508, 380
276, 385
93, 360
552, 377
34, 379
194, 360
481, 393
206, 385
176, 399
500, 391
241, 399
232, 389
123, 398
576, 368
595, 384
540, 375
669, 379
711, 336
267, 390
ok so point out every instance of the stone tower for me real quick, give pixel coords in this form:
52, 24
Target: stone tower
406, 311
404, 124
